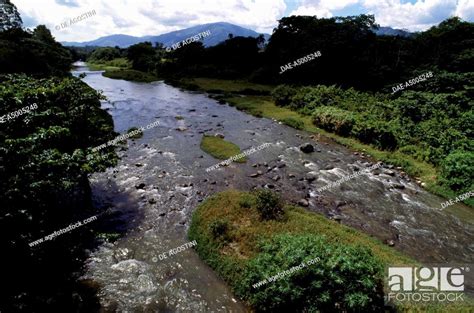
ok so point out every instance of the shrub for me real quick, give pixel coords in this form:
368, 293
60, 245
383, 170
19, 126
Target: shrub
292, 122
457, 170
345, 278
219, 229
334, 120
282, 94
269, 205
313, 97
378, 133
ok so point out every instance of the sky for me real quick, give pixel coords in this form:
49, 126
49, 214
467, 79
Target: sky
155, 17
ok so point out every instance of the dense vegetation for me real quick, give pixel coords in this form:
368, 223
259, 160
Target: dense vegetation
436, 128
45, 159
249, 237
35, 53
49, 123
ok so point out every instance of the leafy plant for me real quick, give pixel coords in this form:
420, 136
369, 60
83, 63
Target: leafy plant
269, 205
343, 278
219, 229
458, 170
283, 94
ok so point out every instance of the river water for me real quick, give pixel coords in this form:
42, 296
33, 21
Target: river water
161, 178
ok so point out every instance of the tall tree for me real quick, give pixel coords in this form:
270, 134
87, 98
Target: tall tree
9, 16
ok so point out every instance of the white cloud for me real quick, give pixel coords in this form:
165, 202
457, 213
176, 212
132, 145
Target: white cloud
312, 11
465, 10
321, 8
412, 16
148, 17
154, 17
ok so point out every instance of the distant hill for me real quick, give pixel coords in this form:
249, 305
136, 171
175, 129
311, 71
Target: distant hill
107, 41
219, 32
389, 31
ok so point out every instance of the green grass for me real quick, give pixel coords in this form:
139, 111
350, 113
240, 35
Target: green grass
132, 75
115, 64
219, 86
292, 122
220, 148
231, 86
231, 253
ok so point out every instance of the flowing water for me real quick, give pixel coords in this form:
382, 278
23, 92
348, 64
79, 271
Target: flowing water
162, 177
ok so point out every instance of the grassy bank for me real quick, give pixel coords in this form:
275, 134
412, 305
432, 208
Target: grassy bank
131, 75
264, 106
245, 249
120, 68
115, 64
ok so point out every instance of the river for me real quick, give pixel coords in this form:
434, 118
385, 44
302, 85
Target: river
161, 178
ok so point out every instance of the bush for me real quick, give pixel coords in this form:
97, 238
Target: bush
344, 278
371, 131
282, 94
269, 205
219, 229
457, 170
334, 120
310, 98
292, 122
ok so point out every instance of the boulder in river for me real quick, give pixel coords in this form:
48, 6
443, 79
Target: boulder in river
303, 202
219, 135
182, 128
310, 177
389, 172
307, 147
140, 186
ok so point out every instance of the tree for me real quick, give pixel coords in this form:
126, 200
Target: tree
142, 56
42, 33
9, 16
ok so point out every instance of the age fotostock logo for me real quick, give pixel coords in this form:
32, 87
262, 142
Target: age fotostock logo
422, 284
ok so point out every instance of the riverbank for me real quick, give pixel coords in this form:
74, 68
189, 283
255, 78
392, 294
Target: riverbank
120, 69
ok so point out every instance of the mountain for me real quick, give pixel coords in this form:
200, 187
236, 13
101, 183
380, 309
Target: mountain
219, 32
107, 41
389, 31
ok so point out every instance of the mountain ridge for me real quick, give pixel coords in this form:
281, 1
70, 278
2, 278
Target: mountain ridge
219, 32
